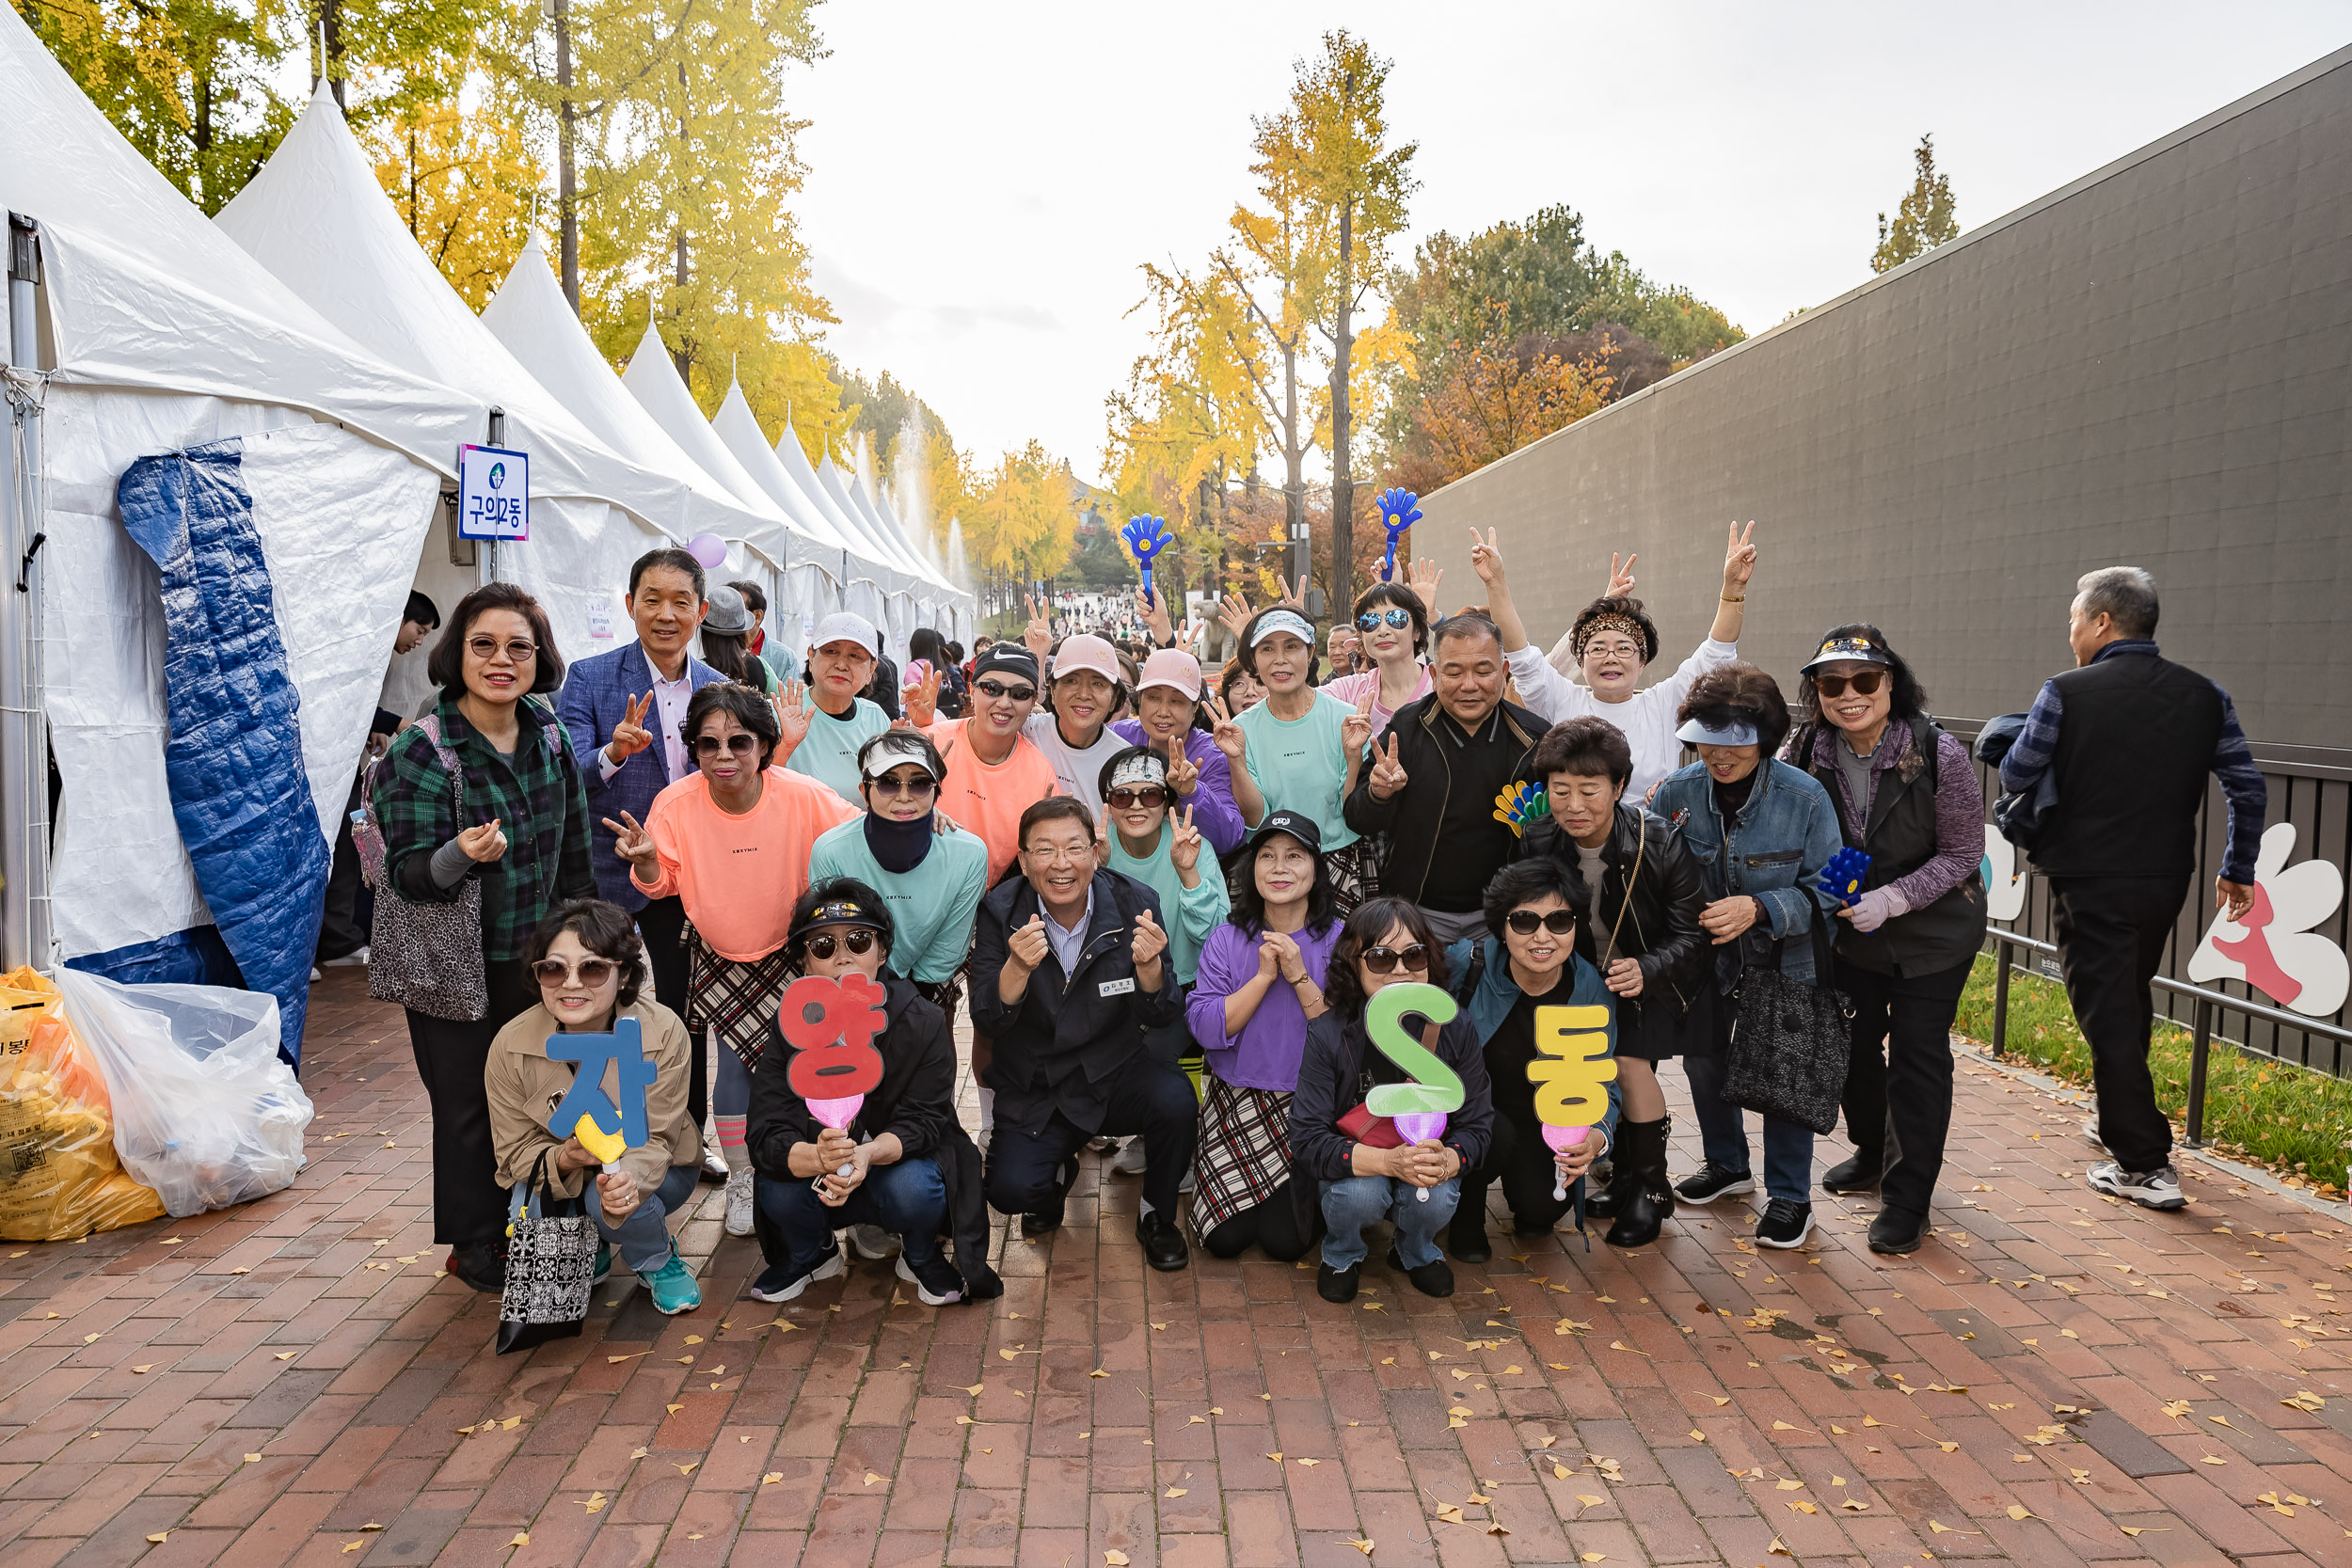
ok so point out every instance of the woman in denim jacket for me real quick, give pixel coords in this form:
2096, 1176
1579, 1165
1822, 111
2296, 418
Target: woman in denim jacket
1761, 830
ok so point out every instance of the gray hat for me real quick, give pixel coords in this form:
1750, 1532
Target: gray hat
729, 616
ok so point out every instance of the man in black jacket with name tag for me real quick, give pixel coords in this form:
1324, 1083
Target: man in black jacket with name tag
1066, 975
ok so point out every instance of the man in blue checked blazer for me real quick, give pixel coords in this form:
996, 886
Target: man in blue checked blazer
624, 710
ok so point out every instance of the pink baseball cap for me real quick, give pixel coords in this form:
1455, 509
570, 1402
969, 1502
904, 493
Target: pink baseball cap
1174, 669
1085, 651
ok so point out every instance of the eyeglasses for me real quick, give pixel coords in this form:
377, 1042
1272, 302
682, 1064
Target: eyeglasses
1867, 682
999, 693
857, 940
1384, 961
918, 787
592, 973
1614, 650
741, 743
486, 648
1150, 798
1371, 619
1559, 921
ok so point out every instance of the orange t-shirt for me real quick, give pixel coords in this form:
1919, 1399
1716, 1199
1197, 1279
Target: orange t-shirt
988, 800
739, 875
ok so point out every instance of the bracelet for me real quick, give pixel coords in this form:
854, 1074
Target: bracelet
1728, 598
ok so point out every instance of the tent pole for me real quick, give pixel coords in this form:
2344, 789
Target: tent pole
24, 914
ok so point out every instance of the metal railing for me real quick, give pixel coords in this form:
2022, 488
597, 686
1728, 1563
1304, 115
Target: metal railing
2201, 1033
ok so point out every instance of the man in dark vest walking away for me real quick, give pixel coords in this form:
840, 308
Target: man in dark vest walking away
2129, 738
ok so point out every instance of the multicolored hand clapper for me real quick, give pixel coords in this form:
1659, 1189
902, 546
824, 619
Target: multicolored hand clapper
1841, 878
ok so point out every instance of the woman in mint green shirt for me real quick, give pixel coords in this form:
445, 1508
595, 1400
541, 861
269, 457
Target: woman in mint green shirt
1144, 841
1304, 745
929, 873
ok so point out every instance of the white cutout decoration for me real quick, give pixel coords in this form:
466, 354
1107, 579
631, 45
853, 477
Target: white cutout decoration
2274, 949
2004, 880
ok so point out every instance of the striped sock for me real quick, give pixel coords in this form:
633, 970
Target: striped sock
731, 1141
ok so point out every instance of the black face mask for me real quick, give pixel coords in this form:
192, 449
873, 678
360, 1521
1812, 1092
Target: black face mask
898, 846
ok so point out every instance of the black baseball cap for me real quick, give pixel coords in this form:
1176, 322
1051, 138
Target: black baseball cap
1297, 824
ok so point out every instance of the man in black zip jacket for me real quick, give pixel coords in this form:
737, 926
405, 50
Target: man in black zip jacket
1067, 976
1435, 775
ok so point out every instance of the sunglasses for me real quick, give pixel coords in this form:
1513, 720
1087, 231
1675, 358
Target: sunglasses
1018, 694
857, 940
590, 972
1150, 797
1559, 921
1371, 619
1867, 682
1384, 961
741, 743
891, 783
518, 649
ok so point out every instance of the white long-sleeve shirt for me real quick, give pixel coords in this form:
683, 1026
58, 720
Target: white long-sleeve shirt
1648, 717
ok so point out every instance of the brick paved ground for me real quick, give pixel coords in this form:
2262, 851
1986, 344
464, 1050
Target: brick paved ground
2054, 1379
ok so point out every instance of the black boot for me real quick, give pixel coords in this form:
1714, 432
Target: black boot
1600, 1190
1466, 1235
1857, 1174
1646, 1199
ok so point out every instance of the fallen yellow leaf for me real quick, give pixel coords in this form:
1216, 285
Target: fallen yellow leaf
1115, 1559
522, 1538
1175, 1492
1363, 1546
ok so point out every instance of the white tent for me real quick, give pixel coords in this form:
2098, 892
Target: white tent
316, 218
185, 379
531, 317
849, 577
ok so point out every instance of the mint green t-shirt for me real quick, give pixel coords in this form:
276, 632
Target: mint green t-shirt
932, 907
1298, 764
829, 755
1187, 914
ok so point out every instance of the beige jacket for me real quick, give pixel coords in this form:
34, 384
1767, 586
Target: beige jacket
524, 1089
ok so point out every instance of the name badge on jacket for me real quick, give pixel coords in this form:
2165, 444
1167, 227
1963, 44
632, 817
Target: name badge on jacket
1117, 987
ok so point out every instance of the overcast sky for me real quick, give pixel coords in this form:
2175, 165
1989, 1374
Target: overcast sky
984, 181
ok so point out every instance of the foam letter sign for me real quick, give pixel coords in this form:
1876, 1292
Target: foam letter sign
1571, 1074
2274, 949
1436, 1087
625, 1050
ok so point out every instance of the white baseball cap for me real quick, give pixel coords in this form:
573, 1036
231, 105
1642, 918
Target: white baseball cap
843, 625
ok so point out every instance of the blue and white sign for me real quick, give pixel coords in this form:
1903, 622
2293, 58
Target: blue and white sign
493, 493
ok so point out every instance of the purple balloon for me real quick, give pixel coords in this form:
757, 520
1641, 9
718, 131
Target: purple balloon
1418, 1125
708, 548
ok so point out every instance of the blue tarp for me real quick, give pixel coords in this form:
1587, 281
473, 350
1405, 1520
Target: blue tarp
234, 759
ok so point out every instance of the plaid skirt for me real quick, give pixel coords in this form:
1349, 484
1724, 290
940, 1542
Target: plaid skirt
736, 1002
1245, 1152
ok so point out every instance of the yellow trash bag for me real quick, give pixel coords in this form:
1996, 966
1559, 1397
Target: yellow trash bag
58, 1175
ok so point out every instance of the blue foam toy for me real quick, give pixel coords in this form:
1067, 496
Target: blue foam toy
1400, 509
1146, 537
626, 1047
1841, 878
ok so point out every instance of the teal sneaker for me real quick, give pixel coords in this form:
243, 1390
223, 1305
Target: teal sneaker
672, 1286
604, 1265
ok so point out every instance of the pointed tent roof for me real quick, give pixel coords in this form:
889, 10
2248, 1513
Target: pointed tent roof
737, 428
795, 465
845, 494
316, 218
144, 293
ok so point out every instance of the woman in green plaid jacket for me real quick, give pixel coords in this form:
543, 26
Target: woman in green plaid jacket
523, 836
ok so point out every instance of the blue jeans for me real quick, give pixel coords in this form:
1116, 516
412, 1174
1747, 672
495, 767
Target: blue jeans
907, 1199
1723, 1133
643, 1240
1355, 1204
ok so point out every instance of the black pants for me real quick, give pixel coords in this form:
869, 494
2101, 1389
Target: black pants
1899, 1082
468, 1205
1519, 1159
1148, 1097
663, 924
2111, 932
341, 933
1283, 1225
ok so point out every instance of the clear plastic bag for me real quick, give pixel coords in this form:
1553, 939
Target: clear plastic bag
204, 1111
59, 1179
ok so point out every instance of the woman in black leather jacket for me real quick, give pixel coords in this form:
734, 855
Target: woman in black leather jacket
1641, 932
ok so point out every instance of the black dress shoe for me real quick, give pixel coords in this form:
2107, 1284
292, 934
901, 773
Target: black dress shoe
1338, 1286
1896, 1231
1037, 1222
1465, 1236
1857, 1174
1163, 1244
482, 1266
1430, 1279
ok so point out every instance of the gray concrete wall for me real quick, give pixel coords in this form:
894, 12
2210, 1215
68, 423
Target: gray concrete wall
2152, 366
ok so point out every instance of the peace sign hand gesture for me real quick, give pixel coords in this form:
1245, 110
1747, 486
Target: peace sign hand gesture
1184, 845
922, 701
1739, 559
1487, 559
1184, 777
1229, 735
630, 736
1037, 636
1620, 577
1355, 729
1388, 774
1102, 835
1294, 597
634, 844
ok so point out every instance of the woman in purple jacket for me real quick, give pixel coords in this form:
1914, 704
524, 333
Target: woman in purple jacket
1167, 700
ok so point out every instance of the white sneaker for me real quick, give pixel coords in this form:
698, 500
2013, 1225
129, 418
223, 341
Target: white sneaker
350, 960
872, 1241
1131, 1159
2151, 1189
740, 1202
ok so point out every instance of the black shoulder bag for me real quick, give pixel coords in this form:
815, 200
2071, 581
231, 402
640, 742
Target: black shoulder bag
1789, 1041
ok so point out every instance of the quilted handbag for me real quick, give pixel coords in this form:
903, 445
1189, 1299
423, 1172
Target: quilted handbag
421, 955
550, 1265
1790, 1042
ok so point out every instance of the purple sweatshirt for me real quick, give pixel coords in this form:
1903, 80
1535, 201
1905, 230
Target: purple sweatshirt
1211, 800
1266, 1055
1958, 808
